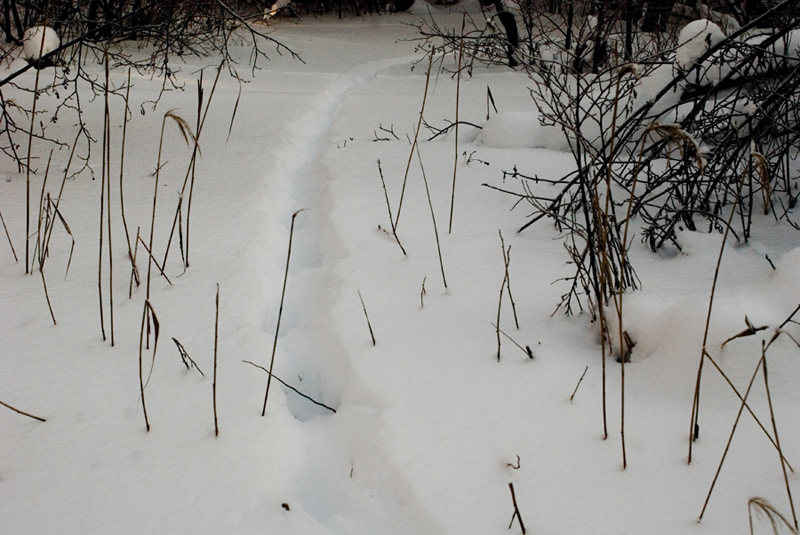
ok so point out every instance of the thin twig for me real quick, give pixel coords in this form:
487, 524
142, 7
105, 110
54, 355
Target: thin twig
290, 387
506, 262
389, 208
2, 220
160, 270
526, 349
433, 217
730, 439
747, 406
414, 145
775, 432
516, 510
214, 384
579, 383
458, 99
371, 334
22, 412
280, 312
187, 360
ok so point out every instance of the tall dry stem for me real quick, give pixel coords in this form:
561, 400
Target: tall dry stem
458, 99
414, 143
433, 217
280, 311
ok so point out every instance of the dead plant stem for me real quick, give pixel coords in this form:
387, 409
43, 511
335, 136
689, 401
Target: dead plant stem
414, 145
455, 143
280, 311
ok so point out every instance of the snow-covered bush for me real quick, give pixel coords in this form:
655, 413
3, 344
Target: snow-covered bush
39, 41
696, 131
694, 40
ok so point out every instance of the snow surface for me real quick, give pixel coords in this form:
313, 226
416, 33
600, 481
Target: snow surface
430, 428
519, 130
694, 40
38, 41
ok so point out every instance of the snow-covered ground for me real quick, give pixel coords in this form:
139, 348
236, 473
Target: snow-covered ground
429, 428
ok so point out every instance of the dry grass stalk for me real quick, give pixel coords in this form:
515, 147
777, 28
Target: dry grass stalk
695, 425
371, 334
750, 331
280, 311
503, 288
433, 217
44, 219
516, 510
730, 438
107, 184
747, 406
458, 99
135, 270
762, 169
389, 208
489, 101
499, 309
414, 145
290, 387
775, 432
187, 360
526, 349
235, 105
579, 384
8, 236
28, 162
506, 262
685, 142
21, 412
175, 224
763, 507
154, 261
148, 315
196, 150
186, 133
214, 384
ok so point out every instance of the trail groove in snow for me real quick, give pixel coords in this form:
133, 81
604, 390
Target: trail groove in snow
348, 484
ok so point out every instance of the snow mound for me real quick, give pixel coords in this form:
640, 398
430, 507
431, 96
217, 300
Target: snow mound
695, 39
521, 130
38, 41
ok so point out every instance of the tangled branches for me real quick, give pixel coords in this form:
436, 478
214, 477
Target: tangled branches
144, 36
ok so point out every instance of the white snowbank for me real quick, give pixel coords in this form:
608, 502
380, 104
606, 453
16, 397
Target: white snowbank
695, 39
38, 41
521, 130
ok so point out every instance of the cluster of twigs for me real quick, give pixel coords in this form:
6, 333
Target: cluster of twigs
674, 161
704, 146
144, 36
761, 366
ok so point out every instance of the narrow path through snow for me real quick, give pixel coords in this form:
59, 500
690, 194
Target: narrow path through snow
348, 484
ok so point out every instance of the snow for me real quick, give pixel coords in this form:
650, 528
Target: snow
38, 41
521, 129
694, 40
429, 427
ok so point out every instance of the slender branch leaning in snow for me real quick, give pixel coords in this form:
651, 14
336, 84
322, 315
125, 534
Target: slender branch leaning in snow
280, 311
516, 514
290, 387
214, 384
6, 405
371, 334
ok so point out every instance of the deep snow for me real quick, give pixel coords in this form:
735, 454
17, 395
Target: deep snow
428, 422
